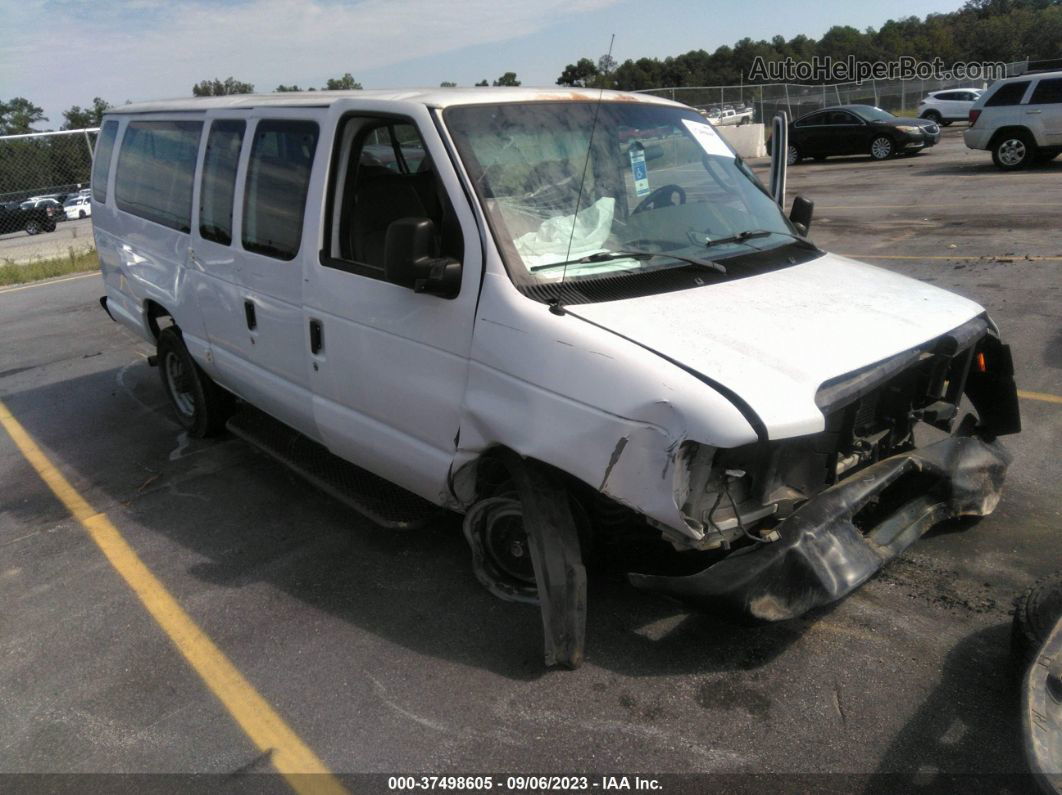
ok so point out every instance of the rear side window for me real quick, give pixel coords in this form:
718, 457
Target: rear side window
1047, 92
1009, 94
219, 180
278, 176
101, 162
156, 167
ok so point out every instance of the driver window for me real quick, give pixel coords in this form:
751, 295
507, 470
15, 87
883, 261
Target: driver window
384, 174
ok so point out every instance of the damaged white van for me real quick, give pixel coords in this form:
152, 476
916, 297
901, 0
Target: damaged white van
578, 319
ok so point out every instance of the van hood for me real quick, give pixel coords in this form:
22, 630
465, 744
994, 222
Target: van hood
773, 339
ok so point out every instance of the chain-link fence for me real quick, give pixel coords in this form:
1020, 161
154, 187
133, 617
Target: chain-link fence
44, 210
900, 97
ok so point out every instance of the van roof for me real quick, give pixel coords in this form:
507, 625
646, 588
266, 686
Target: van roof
432, 97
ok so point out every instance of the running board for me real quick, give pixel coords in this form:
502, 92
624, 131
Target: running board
378, 500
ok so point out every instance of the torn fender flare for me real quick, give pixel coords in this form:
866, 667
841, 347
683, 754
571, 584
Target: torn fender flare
822, 556
557, 559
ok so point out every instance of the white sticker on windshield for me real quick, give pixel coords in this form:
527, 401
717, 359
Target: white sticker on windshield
639, 171
708, 138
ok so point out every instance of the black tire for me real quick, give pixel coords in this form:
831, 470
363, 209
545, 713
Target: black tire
80, 213
1035, 614
49, 227
882, 147
33, 227
201, 406
946, 123
1014, 151
934, 116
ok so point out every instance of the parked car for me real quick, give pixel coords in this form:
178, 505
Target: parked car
32, 217
1019, 120
568, 343
858, 130
78, 207
945, 107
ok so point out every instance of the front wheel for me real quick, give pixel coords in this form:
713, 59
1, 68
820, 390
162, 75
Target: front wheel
201, 405
882, 147
33, 228
1015, 151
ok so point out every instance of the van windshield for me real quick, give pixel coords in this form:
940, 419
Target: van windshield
656, 181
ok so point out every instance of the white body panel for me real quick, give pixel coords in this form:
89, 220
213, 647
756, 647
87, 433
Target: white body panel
413, 387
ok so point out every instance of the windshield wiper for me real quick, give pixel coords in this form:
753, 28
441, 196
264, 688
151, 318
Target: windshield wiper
641, 256
749, 234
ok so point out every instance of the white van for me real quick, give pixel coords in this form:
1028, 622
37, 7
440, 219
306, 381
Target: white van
503, 303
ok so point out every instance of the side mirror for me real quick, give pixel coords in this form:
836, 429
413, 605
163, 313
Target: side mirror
800, 213
408, 261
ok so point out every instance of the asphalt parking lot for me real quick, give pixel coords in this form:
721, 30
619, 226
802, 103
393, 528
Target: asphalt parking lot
20, 247
383, 654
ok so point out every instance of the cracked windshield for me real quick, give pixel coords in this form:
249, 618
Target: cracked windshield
660, 188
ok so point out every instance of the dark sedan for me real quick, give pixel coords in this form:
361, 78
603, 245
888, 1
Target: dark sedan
858, 130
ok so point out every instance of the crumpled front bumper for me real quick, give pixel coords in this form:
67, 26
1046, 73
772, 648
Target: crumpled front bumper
822, 556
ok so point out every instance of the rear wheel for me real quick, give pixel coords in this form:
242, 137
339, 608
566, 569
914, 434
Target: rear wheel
201, 405
882, 148
1035, 614
1014, 151
793, 155
934, 116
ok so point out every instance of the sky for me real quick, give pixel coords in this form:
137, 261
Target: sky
59, 53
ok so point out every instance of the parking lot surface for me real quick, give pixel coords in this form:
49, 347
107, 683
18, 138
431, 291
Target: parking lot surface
382, 652
20, 247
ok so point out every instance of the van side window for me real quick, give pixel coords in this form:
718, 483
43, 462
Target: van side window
101, 162
1047, 92
156, 166
219, 180
278, 177
1008, 94
388, 175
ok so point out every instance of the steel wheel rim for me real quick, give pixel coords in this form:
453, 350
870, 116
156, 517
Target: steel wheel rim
507, 544
183, 398
881, 148
1012, 152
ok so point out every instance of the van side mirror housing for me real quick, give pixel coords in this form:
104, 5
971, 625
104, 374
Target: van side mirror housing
408, 260
800, 213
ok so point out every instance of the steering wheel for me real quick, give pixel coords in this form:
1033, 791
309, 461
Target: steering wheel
660, 193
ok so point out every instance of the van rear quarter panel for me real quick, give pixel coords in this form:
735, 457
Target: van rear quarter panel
143, 261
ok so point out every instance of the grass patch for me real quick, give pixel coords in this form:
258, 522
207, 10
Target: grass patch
74, 262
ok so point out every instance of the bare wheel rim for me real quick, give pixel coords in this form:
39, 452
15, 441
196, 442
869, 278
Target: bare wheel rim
180, 389
1012, 151
881, 148
507, 544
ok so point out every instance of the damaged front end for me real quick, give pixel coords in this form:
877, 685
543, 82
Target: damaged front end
811, 519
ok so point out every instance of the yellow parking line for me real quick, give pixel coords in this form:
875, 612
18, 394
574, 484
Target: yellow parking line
963, 257
1046, 397
266, 729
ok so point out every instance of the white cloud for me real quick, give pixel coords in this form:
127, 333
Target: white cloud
60, 54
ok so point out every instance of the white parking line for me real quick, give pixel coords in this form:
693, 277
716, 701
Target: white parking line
46, 282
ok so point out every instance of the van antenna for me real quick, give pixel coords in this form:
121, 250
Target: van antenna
586, 164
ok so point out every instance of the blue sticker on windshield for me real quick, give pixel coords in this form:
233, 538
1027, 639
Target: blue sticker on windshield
639, 171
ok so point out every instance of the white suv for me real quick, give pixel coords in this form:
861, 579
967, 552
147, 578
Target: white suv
944, 107
1019, 120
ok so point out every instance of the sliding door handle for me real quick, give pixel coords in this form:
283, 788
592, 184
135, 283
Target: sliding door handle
248, 312
316, 336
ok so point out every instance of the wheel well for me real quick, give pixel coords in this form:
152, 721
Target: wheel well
1003, 132
154, 313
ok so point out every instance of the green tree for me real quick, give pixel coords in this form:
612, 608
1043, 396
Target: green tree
482, 83
447, 84
344, 83
220, 88
507, 79
77, 119
579, 74
283, 88
18, 115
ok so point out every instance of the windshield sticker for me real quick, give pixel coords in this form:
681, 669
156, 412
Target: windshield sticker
639, 171
708, 138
